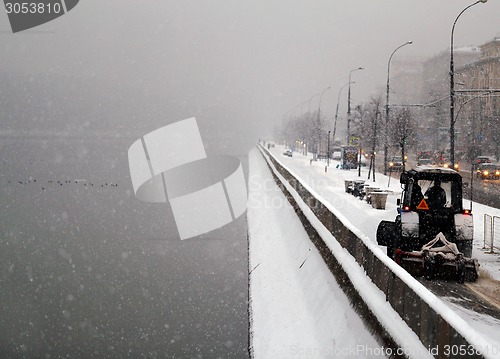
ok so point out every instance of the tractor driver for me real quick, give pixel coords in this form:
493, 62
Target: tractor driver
436, 196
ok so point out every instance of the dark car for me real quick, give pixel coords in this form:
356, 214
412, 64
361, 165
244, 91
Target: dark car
482, 159
396, 163
288, 153
488, 171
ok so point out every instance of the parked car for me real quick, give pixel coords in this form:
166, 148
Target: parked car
488, 171
288, 153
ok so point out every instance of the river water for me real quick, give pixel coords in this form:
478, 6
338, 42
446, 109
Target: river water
87, 270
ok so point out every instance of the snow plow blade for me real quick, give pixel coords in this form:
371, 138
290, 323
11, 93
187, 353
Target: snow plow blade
444, 262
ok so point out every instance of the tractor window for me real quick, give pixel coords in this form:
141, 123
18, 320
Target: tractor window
439, 194
414, 195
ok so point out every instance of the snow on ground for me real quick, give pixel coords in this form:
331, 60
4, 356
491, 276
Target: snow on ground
490, 263
297, 308
329, 186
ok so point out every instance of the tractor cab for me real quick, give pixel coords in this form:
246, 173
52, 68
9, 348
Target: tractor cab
431, 190
430, 210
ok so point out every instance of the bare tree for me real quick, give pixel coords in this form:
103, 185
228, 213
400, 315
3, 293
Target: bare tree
402, 130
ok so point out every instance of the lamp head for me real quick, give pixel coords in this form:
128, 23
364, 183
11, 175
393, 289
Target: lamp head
411, 42
483, 1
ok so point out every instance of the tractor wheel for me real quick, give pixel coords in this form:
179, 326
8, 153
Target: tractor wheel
392, 247
388, 235
391, 252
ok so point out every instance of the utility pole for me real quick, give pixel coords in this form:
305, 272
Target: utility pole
349, 105
386, 145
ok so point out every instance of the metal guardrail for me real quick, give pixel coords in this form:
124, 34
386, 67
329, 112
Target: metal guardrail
491, 231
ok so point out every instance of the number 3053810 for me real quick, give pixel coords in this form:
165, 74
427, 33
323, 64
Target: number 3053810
32, 8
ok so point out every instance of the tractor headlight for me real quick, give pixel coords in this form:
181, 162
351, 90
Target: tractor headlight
391, 164
456, 166
486, 173
446, 165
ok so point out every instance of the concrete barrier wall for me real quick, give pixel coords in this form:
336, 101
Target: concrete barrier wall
432, 329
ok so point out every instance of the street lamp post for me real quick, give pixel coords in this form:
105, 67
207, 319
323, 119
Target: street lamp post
359, 144
313, 96
374, 143
349, 104
387, 105
452, 88
319, 119
328, 154
337, 110
304, 149
309, 108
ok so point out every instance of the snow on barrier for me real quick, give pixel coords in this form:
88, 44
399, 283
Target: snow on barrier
432, 321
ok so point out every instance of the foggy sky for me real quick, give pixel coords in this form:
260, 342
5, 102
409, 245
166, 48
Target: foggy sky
238, 66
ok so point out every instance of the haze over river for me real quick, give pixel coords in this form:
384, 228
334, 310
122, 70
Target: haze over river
86, 269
